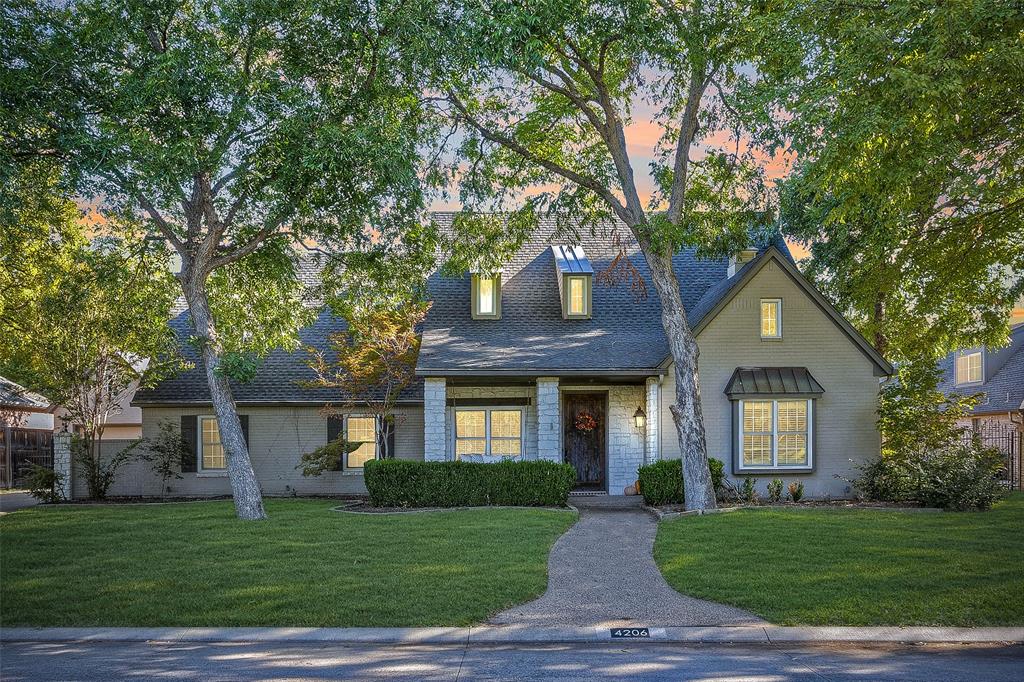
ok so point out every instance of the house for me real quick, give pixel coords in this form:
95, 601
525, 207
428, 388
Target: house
546, 359
22, 408
995, 373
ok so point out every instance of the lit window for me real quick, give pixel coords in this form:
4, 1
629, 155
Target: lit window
771, 318
362, 430
212, 451
486, 296
968, 368
497, 432
577, 295
775, 434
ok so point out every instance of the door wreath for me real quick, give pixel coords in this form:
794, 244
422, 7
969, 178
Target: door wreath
585, 422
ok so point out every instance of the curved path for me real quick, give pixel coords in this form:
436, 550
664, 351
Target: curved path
602, 573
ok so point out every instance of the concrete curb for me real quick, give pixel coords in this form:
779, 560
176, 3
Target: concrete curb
507, 634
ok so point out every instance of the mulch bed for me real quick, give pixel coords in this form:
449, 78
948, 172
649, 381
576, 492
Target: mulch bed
804, 504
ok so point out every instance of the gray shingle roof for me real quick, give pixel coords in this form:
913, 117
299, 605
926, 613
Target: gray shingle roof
624, 333
1004, 392
14, 395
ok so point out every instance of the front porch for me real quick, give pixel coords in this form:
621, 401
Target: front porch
606, 427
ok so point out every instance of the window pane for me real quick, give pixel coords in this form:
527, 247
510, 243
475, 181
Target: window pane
470, 424
213, 451
361, 455
757, 450
485, 296
769, 318
577, 296
757, 416
793, 415
362, 429
470, 446
792, 449
506, 423
506, 447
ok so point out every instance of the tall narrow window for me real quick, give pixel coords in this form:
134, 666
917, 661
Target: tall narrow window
771, 318
968, 368
775, 434
212, 450
486, 296
361, 430
577, 296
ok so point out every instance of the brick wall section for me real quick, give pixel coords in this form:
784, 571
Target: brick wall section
434, 411
845, 416
652, 391
549, 429
278, 436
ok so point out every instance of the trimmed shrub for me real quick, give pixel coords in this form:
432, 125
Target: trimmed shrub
775, 490
662, 482
399, 483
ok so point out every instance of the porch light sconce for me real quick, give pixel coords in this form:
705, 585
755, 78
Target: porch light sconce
639, 418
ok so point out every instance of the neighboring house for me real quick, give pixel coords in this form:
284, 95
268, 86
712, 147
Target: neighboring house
22, 408
546, 360
997, 374
126, 424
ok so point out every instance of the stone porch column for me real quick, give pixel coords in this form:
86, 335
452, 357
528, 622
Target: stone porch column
548, 419
652, 408
62, 462
435, 447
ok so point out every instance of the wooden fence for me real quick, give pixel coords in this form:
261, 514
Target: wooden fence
20, 447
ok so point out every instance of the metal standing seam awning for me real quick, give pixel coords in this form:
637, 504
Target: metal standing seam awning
766, 381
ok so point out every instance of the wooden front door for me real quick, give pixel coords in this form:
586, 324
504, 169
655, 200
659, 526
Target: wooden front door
583, 437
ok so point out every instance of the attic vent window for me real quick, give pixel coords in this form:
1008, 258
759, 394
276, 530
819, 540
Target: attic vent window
740, 258
486, 303
575, 281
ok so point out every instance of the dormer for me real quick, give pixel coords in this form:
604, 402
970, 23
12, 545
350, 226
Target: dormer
740, 258
575, 282
485, 299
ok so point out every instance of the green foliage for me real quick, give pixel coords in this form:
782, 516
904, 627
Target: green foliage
327, 457
748, 491
400, 483
43, 483
775, 490
906, 120
98, 470
165, 452
662, 482
796, 491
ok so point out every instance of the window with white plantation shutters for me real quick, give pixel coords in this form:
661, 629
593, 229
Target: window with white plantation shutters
968, 368
775, 434
497, 432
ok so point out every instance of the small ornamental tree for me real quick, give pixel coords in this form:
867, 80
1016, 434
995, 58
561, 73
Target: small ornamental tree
236, 130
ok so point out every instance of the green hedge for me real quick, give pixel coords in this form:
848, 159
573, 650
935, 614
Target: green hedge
398, 483
662, 482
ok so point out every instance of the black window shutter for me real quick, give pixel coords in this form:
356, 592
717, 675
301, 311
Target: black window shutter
188, 434
244, 418
391, 441
335, 427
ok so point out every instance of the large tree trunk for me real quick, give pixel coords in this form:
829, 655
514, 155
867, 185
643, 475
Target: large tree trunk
698, 493
245, 488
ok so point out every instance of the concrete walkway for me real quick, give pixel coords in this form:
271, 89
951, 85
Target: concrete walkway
602, 573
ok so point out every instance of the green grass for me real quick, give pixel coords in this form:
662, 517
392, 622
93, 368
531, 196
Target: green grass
196, 565
854, 567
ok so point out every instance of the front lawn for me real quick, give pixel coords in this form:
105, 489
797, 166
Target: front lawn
195, 565
854, 567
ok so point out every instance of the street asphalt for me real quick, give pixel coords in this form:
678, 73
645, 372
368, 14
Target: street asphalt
24, 661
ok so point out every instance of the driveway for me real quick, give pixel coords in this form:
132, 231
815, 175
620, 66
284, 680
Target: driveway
602, 573
14, 501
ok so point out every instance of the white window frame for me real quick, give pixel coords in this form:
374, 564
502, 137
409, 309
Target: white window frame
495, 297
583, 280
775, 437
487, 429
376, 440
966, 357
778, 318
200, 469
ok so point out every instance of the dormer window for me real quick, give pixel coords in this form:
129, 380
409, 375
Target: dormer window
740, 258
575, 281
968, 368
486, 303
